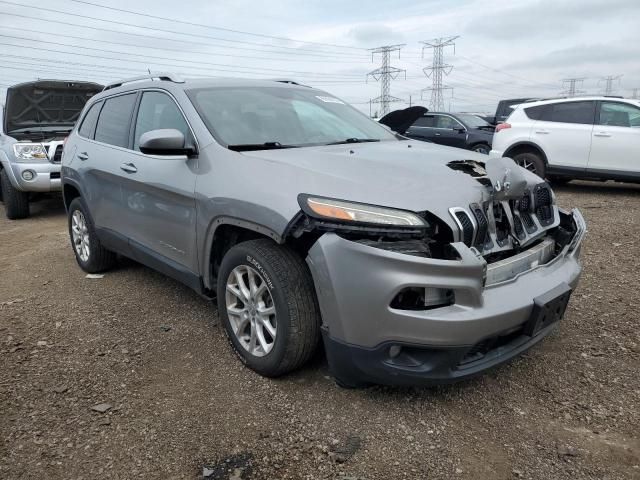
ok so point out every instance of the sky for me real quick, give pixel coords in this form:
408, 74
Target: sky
504, 50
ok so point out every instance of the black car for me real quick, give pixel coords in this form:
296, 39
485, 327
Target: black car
462, 130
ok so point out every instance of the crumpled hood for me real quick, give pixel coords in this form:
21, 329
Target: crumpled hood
46, 103
410, 175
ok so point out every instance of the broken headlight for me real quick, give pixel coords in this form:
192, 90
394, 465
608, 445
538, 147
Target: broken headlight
29, 151
360, 213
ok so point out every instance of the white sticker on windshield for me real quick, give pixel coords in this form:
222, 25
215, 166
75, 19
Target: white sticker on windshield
329, 99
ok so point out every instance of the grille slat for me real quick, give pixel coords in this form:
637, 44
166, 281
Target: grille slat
57, 156
467, 227
483, 226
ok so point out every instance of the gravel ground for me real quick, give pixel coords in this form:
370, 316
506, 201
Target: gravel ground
130, 376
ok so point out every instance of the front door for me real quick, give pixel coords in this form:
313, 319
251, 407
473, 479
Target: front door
159, 191
616, 139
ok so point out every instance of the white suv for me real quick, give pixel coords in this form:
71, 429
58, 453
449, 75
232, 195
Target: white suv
571, 138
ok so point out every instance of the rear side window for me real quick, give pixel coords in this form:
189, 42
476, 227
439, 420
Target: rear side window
88, 125
569, 112
157, 110
115, 118
619, 115
427, 121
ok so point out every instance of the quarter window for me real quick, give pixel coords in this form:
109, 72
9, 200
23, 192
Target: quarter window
158, 111
619, 115
115, 119
88, 125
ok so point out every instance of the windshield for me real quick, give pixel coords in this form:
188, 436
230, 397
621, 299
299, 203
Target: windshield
472, 121
279, 116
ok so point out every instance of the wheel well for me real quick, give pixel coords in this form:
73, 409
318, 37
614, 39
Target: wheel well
525, 148
69, 192
225, 237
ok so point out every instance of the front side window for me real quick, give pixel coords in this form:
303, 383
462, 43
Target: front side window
619, 115
281, 115
443, 121
158, 111
89, 122
114, 121
570, 112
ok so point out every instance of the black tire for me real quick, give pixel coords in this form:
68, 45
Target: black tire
291, 288
16, 203
532, 162
481, 148
99, 259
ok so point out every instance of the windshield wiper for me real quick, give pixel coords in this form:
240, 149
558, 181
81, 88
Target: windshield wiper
354, 140
247, 147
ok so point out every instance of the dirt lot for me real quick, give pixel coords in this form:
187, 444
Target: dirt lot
179, 401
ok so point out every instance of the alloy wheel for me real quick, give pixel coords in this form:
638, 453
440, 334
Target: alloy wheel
528, 165
251, 311
80, 234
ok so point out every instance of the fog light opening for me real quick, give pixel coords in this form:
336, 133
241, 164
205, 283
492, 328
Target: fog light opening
422, 298
28, 175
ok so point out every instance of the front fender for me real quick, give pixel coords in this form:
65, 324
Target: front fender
6, 166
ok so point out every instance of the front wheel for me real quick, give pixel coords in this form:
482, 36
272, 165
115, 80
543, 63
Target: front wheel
531, 162
16, 203
90, 254
268, 307
481, 148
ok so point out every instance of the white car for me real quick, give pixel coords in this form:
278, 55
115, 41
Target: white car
574, 138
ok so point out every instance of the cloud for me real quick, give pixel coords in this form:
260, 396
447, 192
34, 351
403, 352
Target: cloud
375, 34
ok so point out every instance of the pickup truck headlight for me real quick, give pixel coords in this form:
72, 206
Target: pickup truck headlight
29, 151
351, 212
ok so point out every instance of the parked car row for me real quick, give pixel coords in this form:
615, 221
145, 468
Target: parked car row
311, 224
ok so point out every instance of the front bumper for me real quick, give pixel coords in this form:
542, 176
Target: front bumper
355, 285
46, 177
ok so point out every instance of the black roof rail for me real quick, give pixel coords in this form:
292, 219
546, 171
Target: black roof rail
162, 77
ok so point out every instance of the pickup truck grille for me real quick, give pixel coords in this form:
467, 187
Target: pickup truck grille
57, 155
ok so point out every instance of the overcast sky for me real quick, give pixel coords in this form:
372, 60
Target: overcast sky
504, 50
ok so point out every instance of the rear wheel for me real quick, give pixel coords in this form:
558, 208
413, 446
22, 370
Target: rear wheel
267, 304
90, 254
16, 203
531, 162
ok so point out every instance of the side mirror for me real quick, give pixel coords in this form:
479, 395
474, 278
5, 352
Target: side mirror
167, 141
460, 130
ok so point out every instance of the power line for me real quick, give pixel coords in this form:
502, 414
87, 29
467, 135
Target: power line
497, 70
437, 69
211, 27
573, 86
175, 32
154, 57
178, 50
181, 41
384, 74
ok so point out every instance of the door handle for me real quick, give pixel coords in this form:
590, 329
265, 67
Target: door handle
83, 156
542, 132
128, 167
437, 134
602, 134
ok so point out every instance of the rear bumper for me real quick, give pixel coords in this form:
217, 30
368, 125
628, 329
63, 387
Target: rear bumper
355, 285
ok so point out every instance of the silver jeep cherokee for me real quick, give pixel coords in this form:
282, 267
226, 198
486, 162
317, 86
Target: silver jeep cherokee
414, 263
36, 118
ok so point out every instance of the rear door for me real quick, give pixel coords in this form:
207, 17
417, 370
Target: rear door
616, 138
97, 158
563, 131
158, 190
